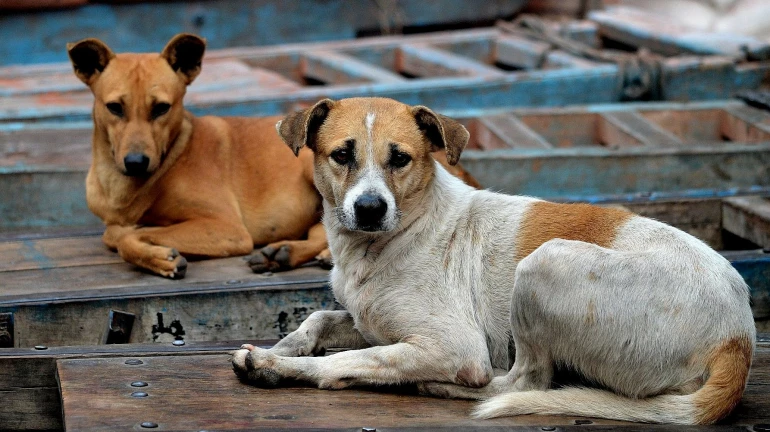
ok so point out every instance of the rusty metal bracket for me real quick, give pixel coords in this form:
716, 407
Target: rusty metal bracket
119, 327
6, 330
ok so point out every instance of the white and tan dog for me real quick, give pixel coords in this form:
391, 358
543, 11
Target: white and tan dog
439, 280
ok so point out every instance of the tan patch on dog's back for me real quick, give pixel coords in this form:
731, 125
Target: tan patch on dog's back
545, 221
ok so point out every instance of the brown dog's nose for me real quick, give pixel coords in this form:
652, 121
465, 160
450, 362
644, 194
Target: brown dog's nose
136, 164
370, 209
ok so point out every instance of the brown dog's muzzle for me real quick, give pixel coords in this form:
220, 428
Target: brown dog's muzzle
136, 164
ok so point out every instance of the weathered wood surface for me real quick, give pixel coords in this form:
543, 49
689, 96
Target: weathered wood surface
39, 37
483, 68
201, 392
29, 390
552, 152
61, 289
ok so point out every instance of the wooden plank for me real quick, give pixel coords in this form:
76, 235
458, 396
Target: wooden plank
196, 389
668, 36
640, 130
519, 52
424, 61
563, 59
30, 409
141, 27
335, 68
613, 134
507, 131
54, 253
749, 218
745, 124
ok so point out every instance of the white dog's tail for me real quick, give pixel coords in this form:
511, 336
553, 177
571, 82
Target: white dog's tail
728, 368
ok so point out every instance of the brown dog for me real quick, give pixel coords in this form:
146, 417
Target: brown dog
167, 183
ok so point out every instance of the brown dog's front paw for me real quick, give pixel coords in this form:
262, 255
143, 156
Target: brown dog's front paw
166, 262
254, 366
270, 258
325, 259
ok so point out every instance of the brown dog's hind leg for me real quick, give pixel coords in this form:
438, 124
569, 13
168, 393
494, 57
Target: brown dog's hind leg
285, 255
158, 248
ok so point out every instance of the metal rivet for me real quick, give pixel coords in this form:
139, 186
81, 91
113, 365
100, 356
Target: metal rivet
138, 384
149, 425
233, 282
548, 428
139, 394
178, 342
134, 362
41, 347
763, 427
366, 429
583, 422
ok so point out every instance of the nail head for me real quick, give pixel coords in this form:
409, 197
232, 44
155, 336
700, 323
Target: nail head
178, 342
139, 394
583, 422
548, 428
134, 362
233, 282
149, 425
41, 347
138, 384
368, 429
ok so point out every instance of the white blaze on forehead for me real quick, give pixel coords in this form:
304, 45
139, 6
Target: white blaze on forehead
369, 126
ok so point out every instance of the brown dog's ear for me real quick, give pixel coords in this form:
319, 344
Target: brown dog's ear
184, 52
300, 128
442, 131
89, 57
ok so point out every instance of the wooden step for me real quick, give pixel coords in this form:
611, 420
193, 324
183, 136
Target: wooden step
201, 392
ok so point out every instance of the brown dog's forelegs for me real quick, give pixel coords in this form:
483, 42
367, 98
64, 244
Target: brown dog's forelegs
158, 248
290, 254
320, 331
414, 359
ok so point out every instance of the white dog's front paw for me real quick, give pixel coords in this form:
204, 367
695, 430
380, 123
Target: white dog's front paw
256, 366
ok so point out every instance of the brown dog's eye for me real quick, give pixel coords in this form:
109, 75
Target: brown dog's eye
159, 109
115, 108
341, 156
399, 159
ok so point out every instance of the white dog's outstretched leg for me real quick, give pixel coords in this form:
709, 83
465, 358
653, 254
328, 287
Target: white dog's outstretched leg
320, 331
413, 359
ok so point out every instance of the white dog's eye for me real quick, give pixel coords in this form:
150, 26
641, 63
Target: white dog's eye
399, 159
341, 156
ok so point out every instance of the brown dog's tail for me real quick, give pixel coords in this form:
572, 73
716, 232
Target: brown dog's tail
728, 368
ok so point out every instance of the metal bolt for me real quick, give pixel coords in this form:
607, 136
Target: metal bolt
138, 384
149, 425
548, 428
178, 342
134, 362
41, 347
763, 427
139, 394
233, 282
583, 422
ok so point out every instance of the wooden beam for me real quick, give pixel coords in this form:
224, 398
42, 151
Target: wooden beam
640, 130
507, 131
424, 61
335, 68
520, 52
749, 218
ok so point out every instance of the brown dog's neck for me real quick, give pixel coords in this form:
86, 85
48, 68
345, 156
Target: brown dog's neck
109, 188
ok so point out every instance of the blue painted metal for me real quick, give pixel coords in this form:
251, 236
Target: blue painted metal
40, 37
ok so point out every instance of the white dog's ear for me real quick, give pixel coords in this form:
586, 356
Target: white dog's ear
89, 57
442, 132
300, 128
184, 53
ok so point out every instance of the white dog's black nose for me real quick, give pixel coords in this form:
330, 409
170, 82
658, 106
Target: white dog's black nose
369, 210
136, 164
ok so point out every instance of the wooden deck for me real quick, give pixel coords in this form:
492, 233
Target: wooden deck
193, 388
